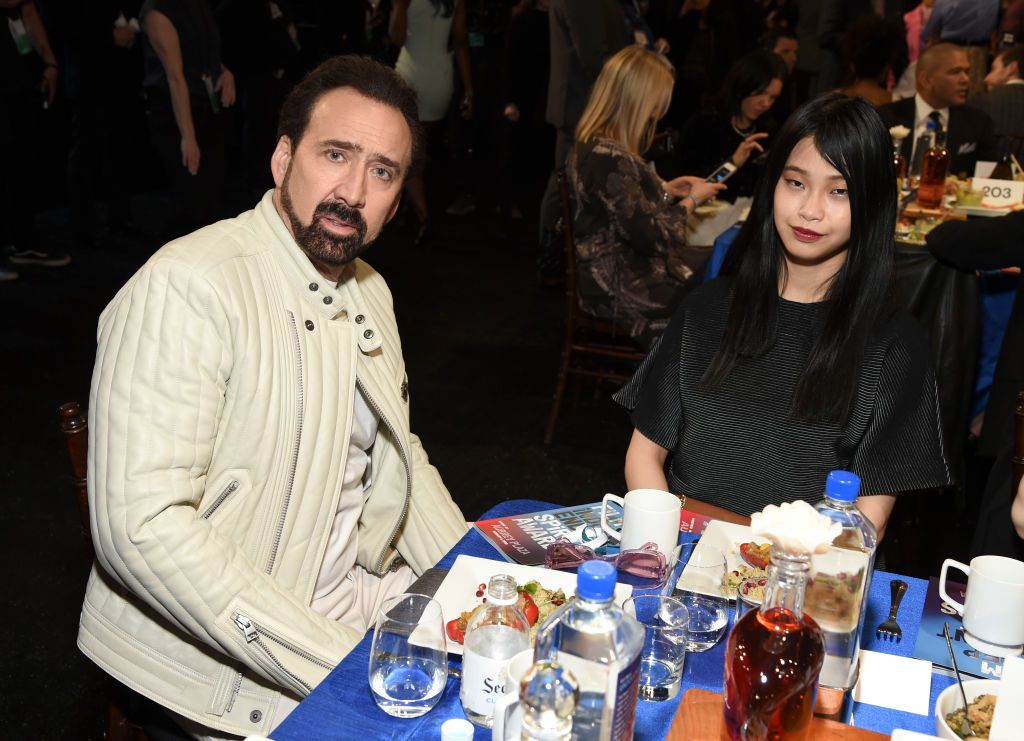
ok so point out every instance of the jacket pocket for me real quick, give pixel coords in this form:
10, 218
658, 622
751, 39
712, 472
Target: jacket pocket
277, 653
233, 483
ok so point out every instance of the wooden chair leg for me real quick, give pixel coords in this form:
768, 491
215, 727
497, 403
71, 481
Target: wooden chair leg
556, 402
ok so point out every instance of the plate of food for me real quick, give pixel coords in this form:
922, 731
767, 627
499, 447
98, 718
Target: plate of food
746, 557
541, 592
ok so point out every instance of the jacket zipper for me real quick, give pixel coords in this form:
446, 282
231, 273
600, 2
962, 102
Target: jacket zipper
228, 491
295, 450
255, 634
408, 472
234, 692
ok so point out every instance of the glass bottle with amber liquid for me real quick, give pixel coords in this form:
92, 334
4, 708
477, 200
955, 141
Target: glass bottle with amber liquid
773, 658
934, 167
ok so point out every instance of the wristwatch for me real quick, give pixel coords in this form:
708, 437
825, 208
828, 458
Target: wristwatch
689, 196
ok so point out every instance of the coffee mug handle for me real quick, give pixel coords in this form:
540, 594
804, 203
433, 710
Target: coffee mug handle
617, 534
503, 707
942, 583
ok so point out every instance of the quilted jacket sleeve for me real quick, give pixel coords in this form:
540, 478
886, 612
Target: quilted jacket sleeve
163, 363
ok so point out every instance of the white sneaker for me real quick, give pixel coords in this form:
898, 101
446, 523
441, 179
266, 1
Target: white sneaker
37, 257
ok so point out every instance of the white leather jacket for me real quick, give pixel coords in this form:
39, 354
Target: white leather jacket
220, 412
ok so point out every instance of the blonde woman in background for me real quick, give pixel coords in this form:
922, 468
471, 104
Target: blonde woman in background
630, 225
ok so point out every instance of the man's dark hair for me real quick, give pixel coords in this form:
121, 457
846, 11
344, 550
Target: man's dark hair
1011, 55
367, 77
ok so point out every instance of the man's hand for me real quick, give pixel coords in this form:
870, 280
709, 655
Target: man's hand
511, 112
48, 83
226, 87
746, 147
190, 154
466, 106
124, 37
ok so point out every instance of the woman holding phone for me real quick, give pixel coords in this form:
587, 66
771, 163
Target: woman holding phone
795, 362
630, 225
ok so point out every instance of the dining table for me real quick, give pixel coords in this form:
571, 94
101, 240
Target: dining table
341, 706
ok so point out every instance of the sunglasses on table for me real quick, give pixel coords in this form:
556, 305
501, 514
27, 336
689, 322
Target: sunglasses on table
645, 562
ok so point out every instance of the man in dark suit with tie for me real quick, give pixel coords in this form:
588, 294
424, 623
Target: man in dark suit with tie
942, 84
1004, 101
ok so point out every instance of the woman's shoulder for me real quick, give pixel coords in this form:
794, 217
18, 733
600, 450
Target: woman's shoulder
706, 304
897, 331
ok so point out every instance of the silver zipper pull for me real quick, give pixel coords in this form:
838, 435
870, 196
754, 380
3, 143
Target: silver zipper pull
245, 625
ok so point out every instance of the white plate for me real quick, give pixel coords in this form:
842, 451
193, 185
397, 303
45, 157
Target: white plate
457, 592
719, 536
981, 211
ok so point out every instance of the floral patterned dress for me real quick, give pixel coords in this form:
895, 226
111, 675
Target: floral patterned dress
631, 262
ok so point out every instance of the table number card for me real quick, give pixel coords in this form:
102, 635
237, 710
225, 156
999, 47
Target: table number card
998, 193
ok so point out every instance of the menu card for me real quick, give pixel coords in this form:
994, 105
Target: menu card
524, 538
931, 643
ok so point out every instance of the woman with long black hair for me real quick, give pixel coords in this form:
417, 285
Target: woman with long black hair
796, 362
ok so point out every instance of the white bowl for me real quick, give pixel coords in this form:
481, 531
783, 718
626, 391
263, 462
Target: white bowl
949, 700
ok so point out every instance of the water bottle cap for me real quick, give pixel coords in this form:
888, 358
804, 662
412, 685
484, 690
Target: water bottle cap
842, 485
456, 729
595, 580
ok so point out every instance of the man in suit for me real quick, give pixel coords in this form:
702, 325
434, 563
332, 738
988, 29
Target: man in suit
1004, 101
990, 244
942, 84
584, 33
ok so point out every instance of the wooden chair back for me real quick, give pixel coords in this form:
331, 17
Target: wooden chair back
76, 434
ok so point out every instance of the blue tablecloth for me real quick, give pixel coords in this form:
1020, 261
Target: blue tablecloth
341, 706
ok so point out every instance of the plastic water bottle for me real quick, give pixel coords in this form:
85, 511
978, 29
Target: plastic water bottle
837, 590
600, 645
494, 634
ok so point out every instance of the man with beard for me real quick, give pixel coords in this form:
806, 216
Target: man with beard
255, 489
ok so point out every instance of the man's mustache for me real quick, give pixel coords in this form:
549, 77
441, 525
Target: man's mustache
341, 212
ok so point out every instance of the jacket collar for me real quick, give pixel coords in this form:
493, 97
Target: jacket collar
333, 302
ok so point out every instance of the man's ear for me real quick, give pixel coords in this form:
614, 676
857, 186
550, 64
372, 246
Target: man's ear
280, 159
394, 206
1013, 70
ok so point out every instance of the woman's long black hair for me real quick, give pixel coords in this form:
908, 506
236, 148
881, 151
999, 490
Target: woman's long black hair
749, 75
849, 135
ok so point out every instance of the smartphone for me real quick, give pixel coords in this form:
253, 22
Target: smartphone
722, 173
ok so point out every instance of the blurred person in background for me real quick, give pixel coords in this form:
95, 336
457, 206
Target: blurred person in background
970, 25
782, 42
1004, 100
103, 84
871, 47
942, 82
261, 47
1013, 21
527, 141
583, 34
187, 88
704, 43
914, 22
629, 225
28, 84
736, 129
424, 29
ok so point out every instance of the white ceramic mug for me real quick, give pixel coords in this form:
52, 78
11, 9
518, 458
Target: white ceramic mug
508, 718
648, 515
993, 610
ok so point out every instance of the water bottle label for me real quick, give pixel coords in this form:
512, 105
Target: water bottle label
483, 682
626, 690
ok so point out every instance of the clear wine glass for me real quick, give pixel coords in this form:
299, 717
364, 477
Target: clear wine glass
409, 656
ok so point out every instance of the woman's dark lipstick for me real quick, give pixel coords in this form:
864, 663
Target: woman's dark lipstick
805, 235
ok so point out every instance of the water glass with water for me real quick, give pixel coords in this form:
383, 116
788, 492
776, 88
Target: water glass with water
665, 621
409, 656
703, 594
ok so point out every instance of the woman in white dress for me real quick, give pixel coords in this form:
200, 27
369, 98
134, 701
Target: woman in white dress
423, 29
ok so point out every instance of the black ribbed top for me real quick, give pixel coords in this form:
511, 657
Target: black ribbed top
740, 448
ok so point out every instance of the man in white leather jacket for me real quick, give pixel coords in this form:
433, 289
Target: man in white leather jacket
255, 489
